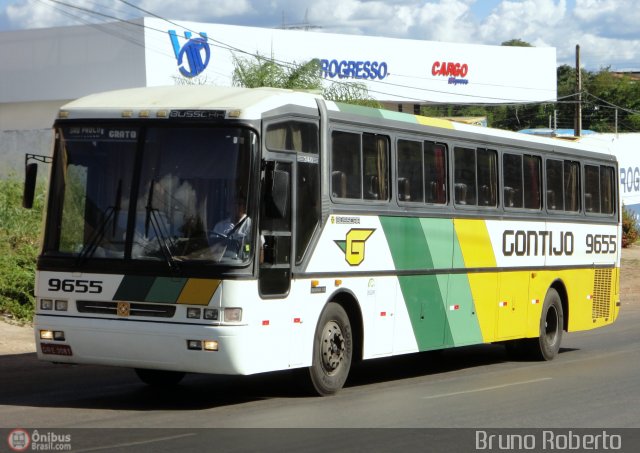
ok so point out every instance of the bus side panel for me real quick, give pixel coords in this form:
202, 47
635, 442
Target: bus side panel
439, 303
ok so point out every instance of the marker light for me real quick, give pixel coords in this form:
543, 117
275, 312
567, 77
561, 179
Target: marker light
211, 314
58, 335
233, 314
193, 313
194, 345
46, 304
61, 305
46, 335
210, 345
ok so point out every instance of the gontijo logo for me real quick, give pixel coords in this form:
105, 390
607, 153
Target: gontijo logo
451, 70
196, 51
353, 245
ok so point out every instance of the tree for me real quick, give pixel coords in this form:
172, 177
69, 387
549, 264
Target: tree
517, 42
259, 71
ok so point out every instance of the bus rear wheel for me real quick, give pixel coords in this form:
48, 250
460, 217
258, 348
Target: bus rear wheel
159, 378
547, 345
332, 350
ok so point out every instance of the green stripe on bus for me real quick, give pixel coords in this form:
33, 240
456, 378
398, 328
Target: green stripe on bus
440, 307
134, 288
407, 243
166, 290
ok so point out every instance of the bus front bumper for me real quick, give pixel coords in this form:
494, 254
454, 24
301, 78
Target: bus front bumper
134, 344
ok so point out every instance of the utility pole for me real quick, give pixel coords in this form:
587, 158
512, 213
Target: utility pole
578, 114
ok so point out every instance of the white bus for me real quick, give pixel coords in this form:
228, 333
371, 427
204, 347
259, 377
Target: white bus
238, 231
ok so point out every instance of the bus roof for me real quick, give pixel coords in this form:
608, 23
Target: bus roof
251, 103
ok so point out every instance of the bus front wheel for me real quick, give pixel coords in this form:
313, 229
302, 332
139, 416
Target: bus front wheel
159, 378
547, 345
332, 350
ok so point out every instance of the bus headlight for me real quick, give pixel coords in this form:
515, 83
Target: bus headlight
46, 335
211, 314
61, 305
233, 314
46, 304
193, 313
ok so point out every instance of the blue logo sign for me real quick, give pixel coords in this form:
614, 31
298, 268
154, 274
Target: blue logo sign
193, 57
367, 70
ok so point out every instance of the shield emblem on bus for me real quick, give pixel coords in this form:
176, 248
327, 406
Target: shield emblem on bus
124, 309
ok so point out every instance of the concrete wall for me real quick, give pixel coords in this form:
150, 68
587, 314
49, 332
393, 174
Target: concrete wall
68, 62
14, 145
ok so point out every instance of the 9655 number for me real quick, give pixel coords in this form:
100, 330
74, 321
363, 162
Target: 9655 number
69, 285
601, 243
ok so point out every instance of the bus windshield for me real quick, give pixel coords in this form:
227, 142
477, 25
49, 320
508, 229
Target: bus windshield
170, 194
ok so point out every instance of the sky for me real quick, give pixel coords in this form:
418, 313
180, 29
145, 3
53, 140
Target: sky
608, 31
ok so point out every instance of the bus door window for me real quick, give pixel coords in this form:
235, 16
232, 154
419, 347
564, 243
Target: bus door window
275, 229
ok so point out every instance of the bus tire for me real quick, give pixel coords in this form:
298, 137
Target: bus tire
159, 378
547, 345
332, 350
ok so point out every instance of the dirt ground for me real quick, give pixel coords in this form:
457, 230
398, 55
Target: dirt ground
16, 339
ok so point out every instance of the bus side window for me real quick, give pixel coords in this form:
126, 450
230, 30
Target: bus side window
592, 189
410, 168
359, 166
487, 170
465, 175
347, 160
435, 171
512, 177
572, 186
607, 190
532, 182
554, 185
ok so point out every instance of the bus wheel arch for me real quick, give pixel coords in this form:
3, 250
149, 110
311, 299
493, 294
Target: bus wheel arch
335, 344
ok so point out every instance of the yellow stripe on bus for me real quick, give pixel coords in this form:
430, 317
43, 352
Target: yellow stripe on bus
475, 243
198, 291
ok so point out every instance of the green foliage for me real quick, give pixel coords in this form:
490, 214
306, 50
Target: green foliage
629, 228
517, 42
350, 93
19, 242
265, 72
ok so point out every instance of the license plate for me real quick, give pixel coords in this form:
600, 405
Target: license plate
55, 349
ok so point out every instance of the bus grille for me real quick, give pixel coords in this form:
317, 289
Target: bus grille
142, 310
601, 293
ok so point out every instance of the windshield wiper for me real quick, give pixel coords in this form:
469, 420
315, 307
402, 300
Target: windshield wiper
153, 219
110, 213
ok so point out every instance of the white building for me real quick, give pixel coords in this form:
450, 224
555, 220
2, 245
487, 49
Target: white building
44, 68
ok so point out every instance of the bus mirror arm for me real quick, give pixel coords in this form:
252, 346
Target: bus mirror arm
30, 177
